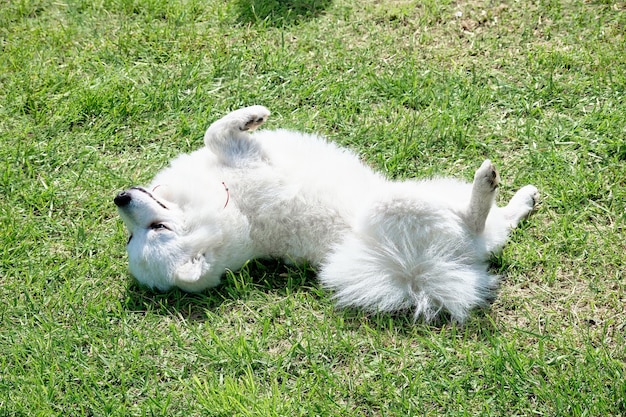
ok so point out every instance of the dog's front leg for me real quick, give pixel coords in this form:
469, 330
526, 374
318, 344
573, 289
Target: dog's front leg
196, 274
229, 136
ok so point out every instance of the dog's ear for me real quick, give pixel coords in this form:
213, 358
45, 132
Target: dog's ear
193, 270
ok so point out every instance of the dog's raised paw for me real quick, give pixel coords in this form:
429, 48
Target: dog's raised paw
487, 176
253, 117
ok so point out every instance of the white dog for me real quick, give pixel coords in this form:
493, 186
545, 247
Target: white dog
380, 245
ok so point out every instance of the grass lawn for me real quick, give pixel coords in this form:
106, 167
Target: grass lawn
96, 96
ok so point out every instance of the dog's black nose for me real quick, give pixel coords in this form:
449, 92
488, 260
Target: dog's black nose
122, 199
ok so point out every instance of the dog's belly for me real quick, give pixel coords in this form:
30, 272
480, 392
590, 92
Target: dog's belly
295, 229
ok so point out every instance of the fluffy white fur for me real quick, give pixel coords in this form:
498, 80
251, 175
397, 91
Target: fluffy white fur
380, 245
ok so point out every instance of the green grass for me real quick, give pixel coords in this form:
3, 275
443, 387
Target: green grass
97, 96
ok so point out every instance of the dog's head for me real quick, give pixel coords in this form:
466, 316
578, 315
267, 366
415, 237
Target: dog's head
166, 247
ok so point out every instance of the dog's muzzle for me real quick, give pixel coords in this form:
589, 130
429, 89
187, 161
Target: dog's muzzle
122, 199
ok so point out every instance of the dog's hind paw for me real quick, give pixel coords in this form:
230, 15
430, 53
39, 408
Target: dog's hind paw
486, 176
526, 197
523, 203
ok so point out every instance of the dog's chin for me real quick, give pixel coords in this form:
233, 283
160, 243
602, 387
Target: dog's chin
155, 277
159, 284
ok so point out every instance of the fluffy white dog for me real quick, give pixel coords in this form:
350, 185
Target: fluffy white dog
380, 245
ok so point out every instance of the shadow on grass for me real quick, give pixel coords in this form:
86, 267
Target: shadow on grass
279, 13
265, 276
480, 324
274, 277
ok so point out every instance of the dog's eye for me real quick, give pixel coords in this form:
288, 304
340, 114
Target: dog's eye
158, 226
129, 239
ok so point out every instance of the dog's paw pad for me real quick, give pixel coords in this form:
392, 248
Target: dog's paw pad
253, 117
254, 123
487, 176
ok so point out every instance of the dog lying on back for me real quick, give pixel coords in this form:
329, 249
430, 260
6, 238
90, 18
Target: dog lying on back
380, 245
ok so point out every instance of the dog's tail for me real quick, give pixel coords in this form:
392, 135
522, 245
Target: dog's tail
228, 137
403, 256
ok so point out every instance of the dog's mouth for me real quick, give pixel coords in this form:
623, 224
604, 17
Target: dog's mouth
124, 198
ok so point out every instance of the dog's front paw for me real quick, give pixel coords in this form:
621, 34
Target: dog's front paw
486, 176
226, 139
252, 117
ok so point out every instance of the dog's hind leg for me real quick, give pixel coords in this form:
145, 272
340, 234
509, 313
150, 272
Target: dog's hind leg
486, 180
228, 137
521, 205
